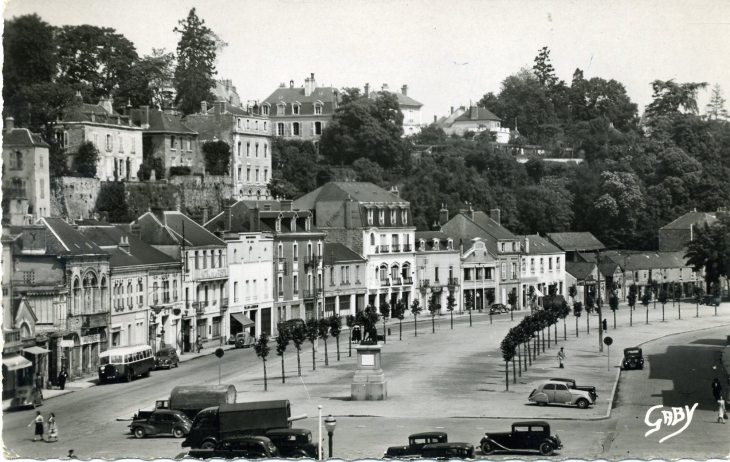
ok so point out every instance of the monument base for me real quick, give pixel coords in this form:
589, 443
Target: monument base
369, 391
369, 382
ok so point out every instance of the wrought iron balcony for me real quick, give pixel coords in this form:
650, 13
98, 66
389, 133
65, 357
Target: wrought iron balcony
396, 247
453, 282
385, 282
384, 249
406, 247
407, 281
397, 281
312, 260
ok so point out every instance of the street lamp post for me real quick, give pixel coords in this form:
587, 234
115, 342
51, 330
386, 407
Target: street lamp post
319, 430
330, 423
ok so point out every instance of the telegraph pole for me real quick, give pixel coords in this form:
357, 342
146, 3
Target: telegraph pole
600, 303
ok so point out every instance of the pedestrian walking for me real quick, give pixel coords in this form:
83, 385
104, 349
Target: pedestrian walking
199, 343
38, 422
722, 412
716, 389
71, 454
561, 357
62, 376
39, 384
52, 428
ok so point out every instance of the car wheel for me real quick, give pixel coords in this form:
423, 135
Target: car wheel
129, 375
487, 448
541, 403
546, 449
139, 432
207, 445
582, 403
146, 374
178, 433
301, 455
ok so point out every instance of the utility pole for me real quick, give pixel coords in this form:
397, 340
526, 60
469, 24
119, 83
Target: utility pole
185, 307
600, 303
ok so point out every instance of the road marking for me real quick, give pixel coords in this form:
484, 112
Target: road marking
439, 427
361, 426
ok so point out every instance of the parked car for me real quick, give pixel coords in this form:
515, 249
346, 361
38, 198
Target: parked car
293, 442
244, 340
525, 436
448, 451
550, 392
237, 447
633, 359
27, 396
289, 324
166, 357
710, 300
415, 446
161, 422
498, 308
571, 384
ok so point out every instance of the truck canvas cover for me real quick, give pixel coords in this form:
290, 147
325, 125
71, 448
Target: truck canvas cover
255, 415
200, 397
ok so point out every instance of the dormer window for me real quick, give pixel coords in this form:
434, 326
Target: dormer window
265, 109
239, 123
293, 225
502, 247
450, 244
381, 217
256, 125
370, 216
317, 109
514, 247
392, 217
404, 217
295, 109
436, 244
422, 244
281, 109
307, 224
278, 225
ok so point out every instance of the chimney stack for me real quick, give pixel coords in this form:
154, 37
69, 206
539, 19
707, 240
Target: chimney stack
145, 117
291, 84
106, 103
471, 212
384, 87
124, 244
435, 227
434, 119
394, 190
367, 90
254, 219
443, 215
309, 85
9, 124
205, 215
473, 112
494, 214
452, 109
286, 205
203, 107
527, 244
228, 216
404, 90
137, 231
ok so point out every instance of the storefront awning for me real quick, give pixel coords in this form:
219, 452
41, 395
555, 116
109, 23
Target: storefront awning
15, 362
36, 350
538, 293
243, 319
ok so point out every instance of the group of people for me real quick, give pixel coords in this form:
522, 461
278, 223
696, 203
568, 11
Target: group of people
40, 425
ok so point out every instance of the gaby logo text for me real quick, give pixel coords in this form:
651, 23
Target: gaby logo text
669, 418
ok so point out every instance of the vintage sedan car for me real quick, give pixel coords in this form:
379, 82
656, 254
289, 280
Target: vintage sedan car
416, 442
633, 359
571, 384
237, 447
244, 340
498, 308
293, 442
162, 422
26, 396
448, 451
550, 392
166, 357
525, 436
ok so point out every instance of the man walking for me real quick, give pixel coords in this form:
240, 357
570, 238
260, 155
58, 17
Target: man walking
561, 357
62, 376
716, 389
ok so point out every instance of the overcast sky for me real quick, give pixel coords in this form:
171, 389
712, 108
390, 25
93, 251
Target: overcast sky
447, 52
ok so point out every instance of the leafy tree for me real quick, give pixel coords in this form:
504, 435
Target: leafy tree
97, 60
670, 96
399, 312
598, 98
677, 296
433, 307
450, 305
633, 294
621, 200
368, 171
369, 127
654, 286
262, 351
295, 167
197, 52
613, 303
663, 298
512, 300
335, 331
149, 81
298, 336
430, 135
323, 328
645, 299
573, 291
545, 207
469, 304
350, 320
312, 333
384, 309
590, 307
710, 250
86, 159
217, 156
508, 352
715, 109
543, 69
282, 341
416, 308
698, 292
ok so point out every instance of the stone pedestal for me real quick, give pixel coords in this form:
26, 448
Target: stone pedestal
369, 382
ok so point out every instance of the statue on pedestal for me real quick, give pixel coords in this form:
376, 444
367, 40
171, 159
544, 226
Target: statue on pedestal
368, 319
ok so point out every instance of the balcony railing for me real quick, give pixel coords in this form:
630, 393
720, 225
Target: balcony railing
11, 335
397, 281
385, 282
224, 303
406, 247
425, 282
384, 249
407, 281
396, 247
453, 282
312, 260
308, 293
200, 306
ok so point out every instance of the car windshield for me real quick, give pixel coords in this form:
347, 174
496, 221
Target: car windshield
632, 352
163, 353
116, 359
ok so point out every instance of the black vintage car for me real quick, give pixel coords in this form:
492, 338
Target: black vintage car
525, 436
497, 308
166, 357
415, 446
161, 422
448, 451
293, 442
633, 359
238, 447
571, 384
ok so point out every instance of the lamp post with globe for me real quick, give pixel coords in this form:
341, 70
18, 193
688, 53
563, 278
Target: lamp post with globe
329, 424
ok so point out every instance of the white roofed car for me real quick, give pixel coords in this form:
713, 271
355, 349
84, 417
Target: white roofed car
554, 392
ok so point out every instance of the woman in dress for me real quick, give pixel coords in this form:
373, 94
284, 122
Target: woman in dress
52, 428
38, 422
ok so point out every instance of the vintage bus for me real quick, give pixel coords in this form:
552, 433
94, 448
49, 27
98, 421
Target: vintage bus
126, 363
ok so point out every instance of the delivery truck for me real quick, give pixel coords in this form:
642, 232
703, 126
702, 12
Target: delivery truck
211, 425
192, 399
